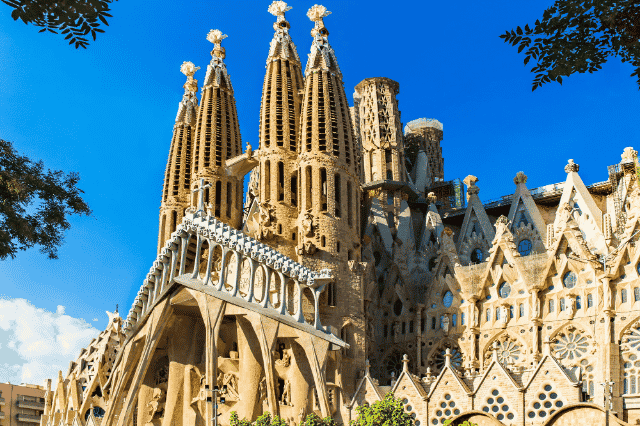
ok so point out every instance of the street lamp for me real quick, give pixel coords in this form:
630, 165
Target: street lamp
608, 392
214, 399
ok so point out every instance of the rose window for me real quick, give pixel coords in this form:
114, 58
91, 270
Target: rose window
571, 346
508, 352
456, 358
569, 280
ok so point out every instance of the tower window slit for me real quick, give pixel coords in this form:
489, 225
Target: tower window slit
294, 189
279, 135
335, 140
337, 197
187, 170
280, 181
174, 220
267, 180
229, 199
309, 107
162, 228
230, 152
322, 137
218, 138
218, 198
323, 189
309, 188
346, 128
349, 205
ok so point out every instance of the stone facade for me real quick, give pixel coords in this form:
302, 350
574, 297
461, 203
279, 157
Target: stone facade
350, 272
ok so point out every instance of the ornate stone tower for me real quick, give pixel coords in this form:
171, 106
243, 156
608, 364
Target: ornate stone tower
330, 202
177, 178
217, 139
279, 121
330, 188
424, 135
380, 130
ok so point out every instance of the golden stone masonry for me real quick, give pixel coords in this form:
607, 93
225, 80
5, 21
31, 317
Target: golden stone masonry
351, 269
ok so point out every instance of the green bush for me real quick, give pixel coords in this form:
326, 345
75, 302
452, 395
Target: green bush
388, 412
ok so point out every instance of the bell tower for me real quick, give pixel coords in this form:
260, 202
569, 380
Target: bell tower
217, 139
177, 178
330, 199
279, 121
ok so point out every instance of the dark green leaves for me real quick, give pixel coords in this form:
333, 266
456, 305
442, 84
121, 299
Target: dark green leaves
388, 412
76, 17
578, 36
49, 196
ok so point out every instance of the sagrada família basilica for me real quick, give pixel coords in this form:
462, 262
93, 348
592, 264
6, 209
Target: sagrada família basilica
351, 268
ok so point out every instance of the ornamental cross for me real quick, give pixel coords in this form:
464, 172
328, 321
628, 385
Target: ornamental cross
200, 192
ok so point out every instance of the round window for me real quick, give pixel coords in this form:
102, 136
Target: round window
570, 279
524, 247
477, 256
504, 290
447, 299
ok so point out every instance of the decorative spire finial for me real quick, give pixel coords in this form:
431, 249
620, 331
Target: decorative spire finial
216, 37
189, 69
571, 167
278, 9
447, 357
470, 181
316, 14
520, 178
405, 363
367, 368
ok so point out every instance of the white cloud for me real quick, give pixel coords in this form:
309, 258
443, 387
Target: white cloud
36, 343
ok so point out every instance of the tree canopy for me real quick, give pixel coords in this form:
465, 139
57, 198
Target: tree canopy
34, 204
577, 36
75, 18
387, 412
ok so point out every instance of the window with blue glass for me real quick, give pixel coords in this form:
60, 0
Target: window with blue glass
488, 314
497, 314
552, 305
447, 299
511, 311
524, 247
578, 302
521, 309
477, 256
504, 290
570, 279
454, 320
623, 295
589, 300
636, 294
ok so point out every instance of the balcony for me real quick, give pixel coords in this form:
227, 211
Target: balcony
28, 418
34, 405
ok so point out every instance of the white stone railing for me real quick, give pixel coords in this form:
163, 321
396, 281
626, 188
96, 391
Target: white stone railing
283, 280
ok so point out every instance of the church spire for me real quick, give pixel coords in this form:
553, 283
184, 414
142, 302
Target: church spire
279, 121
217, 139
329, 177
177, 179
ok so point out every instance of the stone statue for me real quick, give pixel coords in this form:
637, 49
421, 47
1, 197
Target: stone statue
155, 407
286, 393
286, 359
476, 315
262, 389
307, 225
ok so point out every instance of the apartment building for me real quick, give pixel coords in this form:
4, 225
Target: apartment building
21, 405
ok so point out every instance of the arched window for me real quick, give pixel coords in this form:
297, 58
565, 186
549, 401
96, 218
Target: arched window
521, 310
562, 304
552, 305
578, 302
498, 313
511, 314
477, 256
488, 315
504, 290
447, 299
570, 279
623, 295
589, 300
636, 294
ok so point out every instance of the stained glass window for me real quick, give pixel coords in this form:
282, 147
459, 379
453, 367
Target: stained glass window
578, 302
551, 305
636, 294
504, 290
488, 314
447, 299
497, 314
524, 247
521, 309
462, 318
454, 320
511, 311
589, 300
562, 305
623, 295
570, 279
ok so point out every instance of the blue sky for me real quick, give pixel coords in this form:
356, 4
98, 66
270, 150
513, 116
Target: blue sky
107, 112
